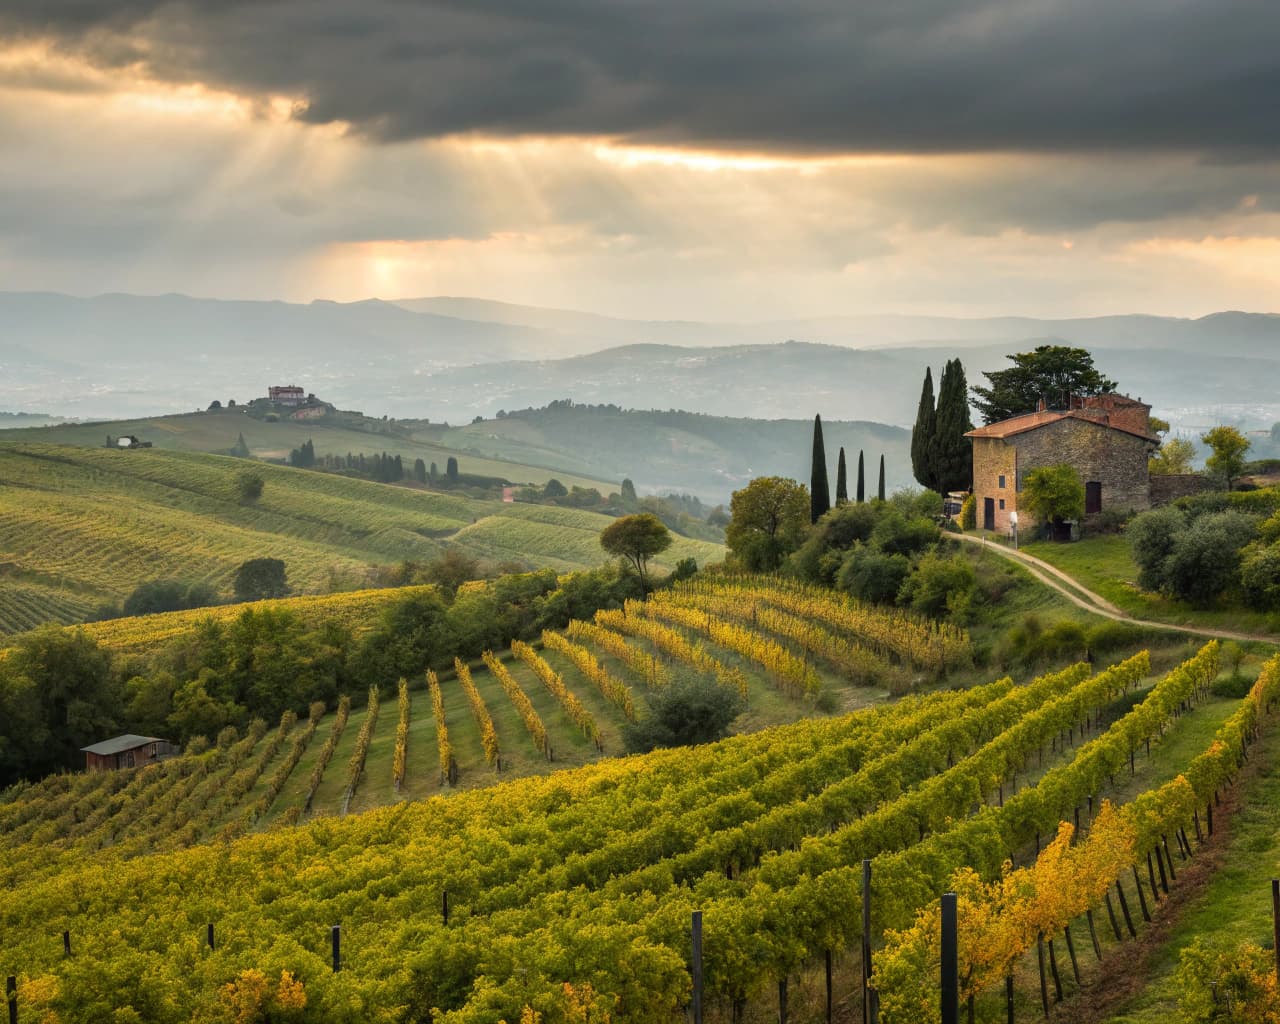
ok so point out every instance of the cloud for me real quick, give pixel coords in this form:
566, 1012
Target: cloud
821, 76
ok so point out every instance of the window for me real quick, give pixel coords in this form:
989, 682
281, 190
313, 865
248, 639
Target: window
1002, 484
1002, 504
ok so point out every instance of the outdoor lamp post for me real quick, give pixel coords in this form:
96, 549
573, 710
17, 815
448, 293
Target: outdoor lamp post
1013, 521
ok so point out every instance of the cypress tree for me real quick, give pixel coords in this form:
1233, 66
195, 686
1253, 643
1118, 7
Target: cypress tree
451, 470
819, 491
842, 481
922, 434
952, 454
881, 491
862, 480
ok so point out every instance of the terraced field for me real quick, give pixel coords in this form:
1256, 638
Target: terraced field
83, 526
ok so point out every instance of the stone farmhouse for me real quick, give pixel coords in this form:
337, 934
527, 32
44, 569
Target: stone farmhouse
1107, 438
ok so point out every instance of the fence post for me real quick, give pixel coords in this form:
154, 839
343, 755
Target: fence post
335, 937
866, 942
1275, 920
697, 966
950, 962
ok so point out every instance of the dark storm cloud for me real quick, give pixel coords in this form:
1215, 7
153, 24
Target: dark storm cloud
802, 75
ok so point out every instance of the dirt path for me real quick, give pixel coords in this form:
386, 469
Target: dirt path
1083, 597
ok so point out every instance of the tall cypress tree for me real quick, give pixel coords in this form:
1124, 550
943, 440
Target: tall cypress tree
862, 480
881, 490
952, 454
922, 434
842, 481
819, 491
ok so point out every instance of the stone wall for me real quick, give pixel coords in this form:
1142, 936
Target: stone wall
1167, 489
994, 457
1116, 459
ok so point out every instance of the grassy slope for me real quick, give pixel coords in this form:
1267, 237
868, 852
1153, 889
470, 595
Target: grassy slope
79, 526
217, 432
1106, 566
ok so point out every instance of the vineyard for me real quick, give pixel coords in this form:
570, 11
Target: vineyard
573, 892
83, 526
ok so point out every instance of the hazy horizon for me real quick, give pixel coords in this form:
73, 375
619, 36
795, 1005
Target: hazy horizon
721, 163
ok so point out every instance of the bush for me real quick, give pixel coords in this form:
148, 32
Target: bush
1260, 575
1152, 536
895, 534
691, 709
168, 596
249, 486
259, 579
1206, 557
939, 584
872, 576
1106, 637
969, 513
1233, 687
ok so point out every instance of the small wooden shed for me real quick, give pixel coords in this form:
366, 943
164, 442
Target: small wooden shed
126, 751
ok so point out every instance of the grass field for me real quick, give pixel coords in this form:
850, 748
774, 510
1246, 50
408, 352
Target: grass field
1105, 565
84, 526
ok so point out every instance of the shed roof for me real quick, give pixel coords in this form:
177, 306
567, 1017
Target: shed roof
120, 744
1034, 420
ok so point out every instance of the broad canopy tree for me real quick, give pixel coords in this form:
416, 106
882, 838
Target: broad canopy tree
1229, 447
1053, 494
768, 520
1052, 373
637, 538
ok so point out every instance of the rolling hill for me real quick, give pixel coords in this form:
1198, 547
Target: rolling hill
216, 432
83, 526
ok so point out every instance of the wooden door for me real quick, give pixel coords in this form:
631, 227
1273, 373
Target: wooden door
988, 513
1092, 497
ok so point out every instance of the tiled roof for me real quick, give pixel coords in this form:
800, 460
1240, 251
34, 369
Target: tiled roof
1034, 420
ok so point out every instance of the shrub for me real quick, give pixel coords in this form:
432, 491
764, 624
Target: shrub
249, 486
939, 584
872, 576
1152, 536
969, 513
1260, 575
1206, 557
691, 709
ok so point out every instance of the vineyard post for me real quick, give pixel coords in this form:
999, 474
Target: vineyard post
866, 941
1164, 881
11, 996
697, 966
1151, 876
209, 935
1142, 899
1093, 933
1275, 921
950, 962
444, 906
830, 1007
335, 936
66, 943
782, 1000
1008, 998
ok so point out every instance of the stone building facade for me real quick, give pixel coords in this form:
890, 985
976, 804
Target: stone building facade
1107, 439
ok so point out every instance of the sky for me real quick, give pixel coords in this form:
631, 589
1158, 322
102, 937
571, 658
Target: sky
722, 160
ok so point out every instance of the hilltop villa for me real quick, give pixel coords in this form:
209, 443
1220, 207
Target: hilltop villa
1107, 438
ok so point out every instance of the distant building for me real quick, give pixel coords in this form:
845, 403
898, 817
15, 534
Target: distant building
1107, 439
126, 751
288, 395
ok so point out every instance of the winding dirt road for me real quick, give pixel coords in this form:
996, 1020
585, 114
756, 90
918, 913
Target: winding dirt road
1083, 597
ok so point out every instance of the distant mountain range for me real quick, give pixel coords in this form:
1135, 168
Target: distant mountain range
455, 358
